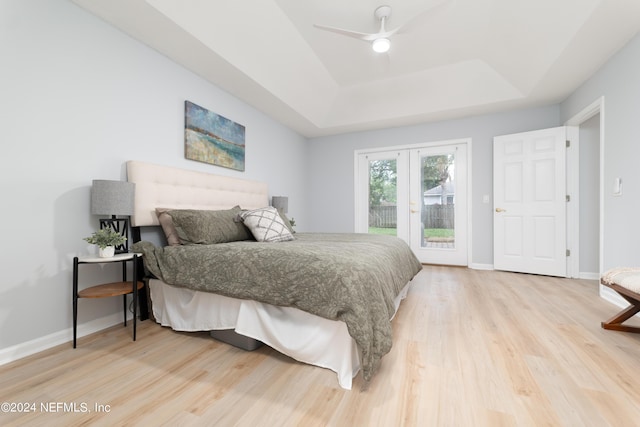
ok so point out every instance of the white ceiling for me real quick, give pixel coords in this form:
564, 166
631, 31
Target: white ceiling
459, 58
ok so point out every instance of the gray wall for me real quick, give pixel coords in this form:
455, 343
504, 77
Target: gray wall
331, 180
79, 99
619, 82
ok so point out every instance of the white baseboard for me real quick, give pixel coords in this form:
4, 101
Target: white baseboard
582, 275
28, 348
476, 266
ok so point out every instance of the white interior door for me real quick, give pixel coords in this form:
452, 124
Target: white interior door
529, 188
438, 204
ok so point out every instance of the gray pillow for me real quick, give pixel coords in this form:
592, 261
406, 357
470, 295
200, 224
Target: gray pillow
286, 221
197, 227
169, 229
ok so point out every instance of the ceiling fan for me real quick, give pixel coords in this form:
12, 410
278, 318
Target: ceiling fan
381, 40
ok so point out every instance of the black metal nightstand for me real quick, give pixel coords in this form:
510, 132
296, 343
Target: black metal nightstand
108, 289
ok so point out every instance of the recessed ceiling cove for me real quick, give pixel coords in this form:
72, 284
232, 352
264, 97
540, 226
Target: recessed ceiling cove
446, 59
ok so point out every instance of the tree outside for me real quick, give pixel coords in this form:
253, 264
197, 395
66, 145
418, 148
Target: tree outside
382, 182
436, 171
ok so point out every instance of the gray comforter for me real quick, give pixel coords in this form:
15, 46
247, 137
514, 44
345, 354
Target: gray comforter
350, 277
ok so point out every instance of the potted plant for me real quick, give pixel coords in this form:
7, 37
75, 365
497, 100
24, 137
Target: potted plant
106, 239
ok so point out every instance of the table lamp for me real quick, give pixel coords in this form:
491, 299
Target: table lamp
113, 198
281, 203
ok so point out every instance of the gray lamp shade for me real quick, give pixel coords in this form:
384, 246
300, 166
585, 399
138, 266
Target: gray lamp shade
112, 197
281, 203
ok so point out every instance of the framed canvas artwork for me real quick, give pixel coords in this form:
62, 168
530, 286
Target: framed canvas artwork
213, 139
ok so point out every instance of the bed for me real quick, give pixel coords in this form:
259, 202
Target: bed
312, 296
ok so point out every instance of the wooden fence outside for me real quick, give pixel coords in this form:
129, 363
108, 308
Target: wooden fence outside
438, 216
433, 216
383, 216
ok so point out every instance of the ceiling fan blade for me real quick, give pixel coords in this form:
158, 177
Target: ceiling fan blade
387, 34
348, 33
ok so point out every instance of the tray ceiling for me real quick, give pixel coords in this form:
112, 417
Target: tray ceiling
455, 58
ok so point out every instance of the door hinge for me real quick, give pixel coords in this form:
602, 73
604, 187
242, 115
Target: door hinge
568, 198
568, 252
568, 143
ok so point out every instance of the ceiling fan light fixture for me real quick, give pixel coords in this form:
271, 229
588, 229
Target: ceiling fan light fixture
381, 45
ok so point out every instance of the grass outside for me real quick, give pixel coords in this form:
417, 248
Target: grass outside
386, 231
428, 232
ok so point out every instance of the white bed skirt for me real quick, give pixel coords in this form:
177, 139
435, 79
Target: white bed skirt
303, 336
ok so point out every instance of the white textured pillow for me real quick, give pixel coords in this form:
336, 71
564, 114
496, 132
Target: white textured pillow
266, 225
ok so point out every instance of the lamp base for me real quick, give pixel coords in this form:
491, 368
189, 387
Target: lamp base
119, 225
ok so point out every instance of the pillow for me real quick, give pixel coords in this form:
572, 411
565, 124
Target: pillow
196, 227
266, 225
286, 221
169, 229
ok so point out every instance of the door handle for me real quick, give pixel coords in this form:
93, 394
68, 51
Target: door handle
414, 211
500, 210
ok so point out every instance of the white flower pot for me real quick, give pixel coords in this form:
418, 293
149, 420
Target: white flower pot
107, 252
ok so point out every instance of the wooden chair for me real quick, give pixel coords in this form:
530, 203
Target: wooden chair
626, 282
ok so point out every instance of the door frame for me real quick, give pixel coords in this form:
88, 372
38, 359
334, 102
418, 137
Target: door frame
573, 188
467, 141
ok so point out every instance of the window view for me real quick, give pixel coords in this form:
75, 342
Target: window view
438, 201
383, 197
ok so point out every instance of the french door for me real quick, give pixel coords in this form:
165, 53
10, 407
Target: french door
418, 194
438, 204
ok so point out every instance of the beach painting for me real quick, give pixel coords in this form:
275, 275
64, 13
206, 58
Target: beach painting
211, 138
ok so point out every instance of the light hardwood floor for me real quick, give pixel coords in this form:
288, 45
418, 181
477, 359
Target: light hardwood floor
471, 348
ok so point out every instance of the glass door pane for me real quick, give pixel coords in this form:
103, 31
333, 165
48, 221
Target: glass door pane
382, 193
383, 196
438, 190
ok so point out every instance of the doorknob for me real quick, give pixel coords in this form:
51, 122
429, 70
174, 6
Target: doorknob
500, 210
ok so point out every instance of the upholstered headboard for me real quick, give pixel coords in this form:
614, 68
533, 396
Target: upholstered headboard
168, 187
